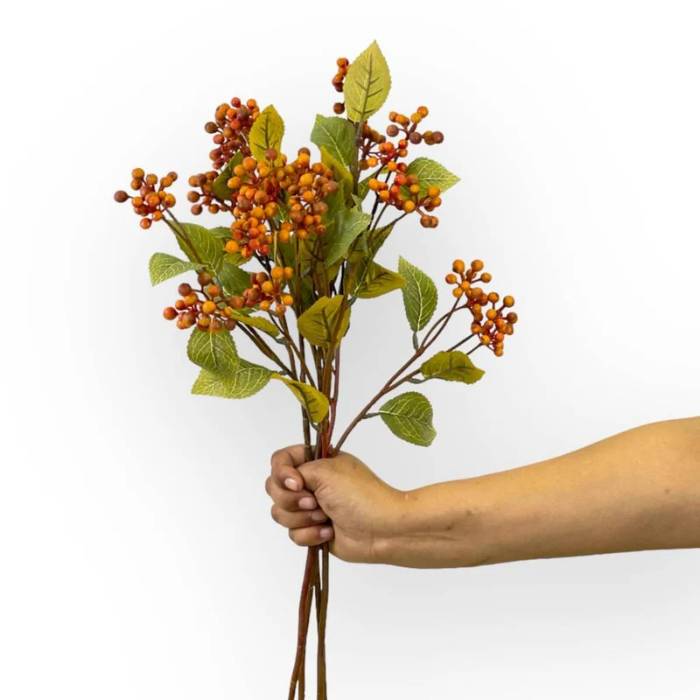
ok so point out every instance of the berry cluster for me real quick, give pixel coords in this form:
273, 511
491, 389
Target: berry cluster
151, 202
338, 82
230, 128
205, 197
206, 307
404, 193
256, 188
491, 323
267, 290
409, 127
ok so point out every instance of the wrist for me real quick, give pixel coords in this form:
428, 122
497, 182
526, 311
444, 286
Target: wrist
433, 526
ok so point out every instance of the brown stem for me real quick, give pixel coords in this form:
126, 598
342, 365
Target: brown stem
304, 611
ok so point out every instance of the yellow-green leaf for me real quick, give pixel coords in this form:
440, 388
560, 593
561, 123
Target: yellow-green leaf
215, 352
367, 84
162, 267
220, 187
233, 278
452, 366
410, 417
419, 295
378, 280
325, 322
266, 133
341, 174
337, 136
201, 246
262, 324
245, 380
431, 174
350, 223
313, 401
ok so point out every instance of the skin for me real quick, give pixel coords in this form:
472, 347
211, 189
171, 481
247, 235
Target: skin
634, 491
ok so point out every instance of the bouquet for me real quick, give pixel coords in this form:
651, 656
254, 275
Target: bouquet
296, 251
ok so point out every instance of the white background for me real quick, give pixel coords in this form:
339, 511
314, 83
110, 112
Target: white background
138, 557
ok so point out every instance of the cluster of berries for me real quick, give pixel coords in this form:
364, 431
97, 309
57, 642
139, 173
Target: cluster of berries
409, 127
257, 186
151, 199
230, 128
491, 323
205, 197
267, 291
404, 193
338, 82
206, 308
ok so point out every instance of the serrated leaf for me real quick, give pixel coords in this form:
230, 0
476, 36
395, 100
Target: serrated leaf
430, 173
367, 84
162, 267
350, 223
375, 240
215, 352
419, 295
219, 187
206, 248
234, 279
322, 323
452, 366
341, 174
378, 280
245, 380
337, 136
266, 133
262, 324
314, 402
410, 417
234, 258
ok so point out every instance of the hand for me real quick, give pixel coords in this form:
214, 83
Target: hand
365, 511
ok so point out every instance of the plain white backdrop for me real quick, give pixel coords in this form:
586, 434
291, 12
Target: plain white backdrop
138, 557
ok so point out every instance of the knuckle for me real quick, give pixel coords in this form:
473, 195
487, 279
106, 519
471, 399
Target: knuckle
268, 485
274, 513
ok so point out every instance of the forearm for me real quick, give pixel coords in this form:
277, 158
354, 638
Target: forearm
634, 491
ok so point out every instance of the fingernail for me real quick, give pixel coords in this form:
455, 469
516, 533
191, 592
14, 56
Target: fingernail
307, 503
318, 515
291, 484
325, 533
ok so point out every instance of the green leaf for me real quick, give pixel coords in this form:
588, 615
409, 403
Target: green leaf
378, 281
337, 136
452, 366
410, 417
367, 84
245, 380
234, 279
266, 133
430, 173
219, 187
162, 267
419, 295
340, 174
215, 352
234, 258
262, 324
206, 248
314, 402
319, 322
350, 223
376, 238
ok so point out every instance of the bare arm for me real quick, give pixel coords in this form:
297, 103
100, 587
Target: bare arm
633, 491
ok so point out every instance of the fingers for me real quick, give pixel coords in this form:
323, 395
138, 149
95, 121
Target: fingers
299, 519
284, 463
289, 500
309, 536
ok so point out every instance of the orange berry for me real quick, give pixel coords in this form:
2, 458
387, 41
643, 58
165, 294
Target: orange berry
232, 247
458, 266
477, 265
433, 191
169, 313
145, 223
450, 279
208, 307
409, 206
213, 290
508, 301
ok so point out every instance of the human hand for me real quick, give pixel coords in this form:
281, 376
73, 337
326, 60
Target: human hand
337, 500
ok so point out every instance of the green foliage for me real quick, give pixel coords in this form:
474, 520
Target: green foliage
452, 366
313, 401
267, 132
244, 380
202, 246
350, 223
325, 322
340, 174
234, 279
377, 281
262, 324
336, 136
419, 295
410, 417
162, 267
233, 258
430, 173
376, 238
367, 84
215, 352
219, 187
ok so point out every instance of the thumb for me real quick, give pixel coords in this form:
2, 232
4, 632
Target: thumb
315, 473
